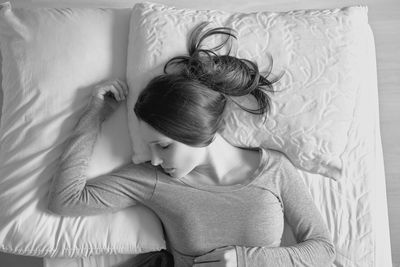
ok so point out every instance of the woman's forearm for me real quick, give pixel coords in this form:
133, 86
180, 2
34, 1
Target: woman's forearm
66, 192
71, 193
314, 248
309, 253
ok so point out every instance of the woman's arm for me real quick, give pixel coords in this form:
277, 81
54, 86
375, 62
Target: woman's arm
71, 193
314, 247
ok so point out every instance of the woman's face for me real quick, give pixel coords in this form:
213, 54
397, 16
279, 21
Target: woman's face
176, 158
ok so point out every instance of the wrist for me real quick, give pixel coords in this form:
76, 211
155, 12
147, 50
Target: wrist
100, 107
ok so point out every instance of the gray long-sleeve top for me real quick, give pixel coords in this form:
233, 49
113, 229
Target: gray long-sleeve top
199, 218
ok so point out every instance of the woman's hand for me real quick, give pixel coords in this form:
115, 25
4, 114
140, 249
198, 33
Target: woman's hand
225, 256
111, 92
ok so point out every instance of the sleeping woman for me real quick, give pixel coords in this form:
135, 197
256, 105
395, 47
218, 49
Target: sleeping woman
220, 205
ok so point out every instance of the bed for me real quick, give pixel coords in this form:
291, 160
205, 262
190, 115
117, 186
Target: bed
354, 206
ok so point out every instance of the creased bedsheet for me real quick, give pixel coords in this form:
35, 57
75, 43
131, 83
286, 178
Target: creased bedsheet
355, 207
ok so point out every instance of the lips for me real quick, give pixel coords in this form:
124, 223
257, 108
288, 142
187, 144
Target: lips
169, 170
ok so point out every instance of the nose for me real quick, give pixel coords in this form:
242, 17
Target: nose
155, 159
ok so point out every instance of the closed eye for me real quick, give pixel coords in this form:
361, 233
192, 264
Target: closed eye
164, 146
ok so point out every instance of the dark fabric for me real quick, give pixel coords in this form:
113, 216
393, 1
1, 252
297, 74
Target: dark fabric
154, 259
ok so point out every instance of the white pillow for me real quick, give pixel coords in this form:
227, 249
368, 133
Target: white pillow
51, 59
318, 51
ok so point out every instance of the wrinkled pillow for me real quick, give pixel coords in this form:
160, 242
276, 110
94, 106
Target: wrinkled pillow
318, 52
51, 59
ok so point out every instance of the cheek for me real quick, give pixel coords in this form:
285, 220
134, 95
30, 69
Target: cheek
190, 160
185, 160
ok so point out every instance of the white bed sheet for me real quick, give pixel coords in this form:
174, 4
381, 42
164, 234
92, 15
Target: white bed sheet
360, 220
361, 200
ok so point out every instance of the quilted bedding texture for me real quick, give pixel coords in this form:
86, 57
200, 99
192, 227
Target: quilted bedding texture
355, 207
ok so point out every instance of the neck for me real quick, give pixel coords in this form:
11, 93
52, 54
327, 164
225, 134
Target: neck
220, 160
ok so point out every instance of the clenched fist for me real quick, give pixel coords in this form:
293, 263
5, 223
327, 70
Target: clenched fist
112, 92
220, 257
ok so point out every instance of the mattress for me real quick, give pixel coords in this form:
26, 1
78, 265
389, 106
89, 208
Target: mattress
360, 200
355, 208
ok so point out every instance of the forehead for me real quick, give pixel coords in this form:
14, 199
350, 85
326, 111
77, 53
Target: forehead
149, 134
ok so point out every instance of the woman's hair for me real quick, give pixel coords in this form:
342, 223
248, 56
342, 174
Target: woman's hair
187, 102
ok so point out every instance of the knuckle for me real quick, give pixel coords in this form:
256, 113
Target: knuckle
226, 256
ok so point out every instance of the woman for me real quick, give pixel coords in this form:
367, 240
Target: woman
220, 205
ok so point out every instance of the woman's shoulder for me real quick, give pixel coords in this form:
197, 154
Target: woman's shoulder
280, 159
274, 157
277, 166
134, 171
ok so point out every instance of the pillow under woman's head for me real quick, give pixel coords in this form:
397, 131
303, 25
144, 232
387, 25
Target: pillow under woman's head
187, 103
319, 51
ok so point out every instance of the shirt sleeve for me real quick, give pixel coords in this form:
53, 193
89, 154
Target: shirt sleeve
72, 194
314, 246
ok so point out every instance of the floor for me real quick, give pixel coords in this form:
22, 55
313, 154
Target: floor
385, 22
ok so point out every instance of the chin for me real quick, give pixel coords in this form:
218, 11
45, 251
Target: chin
177, 175
173, 174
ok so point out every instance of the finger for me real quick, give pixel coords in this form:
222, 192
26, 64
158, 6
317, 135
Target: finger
124, 86
112, 90
98, 91
99, 94
123, 89
119, 91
